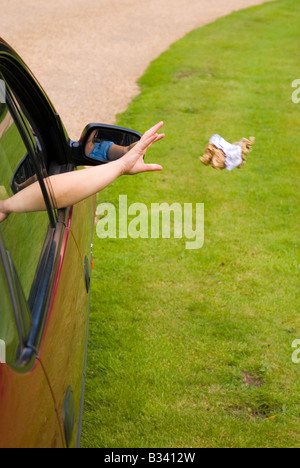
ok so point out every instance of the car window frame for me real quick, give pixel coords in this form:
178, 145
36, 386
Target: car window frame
43, 282
21, 314
30, 144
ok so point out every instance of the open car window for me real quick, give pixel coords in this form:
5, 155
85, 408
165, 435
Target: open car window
23, 234
36, 165
9, 333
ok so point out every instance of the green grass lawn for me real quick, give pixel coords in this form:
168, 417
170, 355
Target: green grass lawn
193, 348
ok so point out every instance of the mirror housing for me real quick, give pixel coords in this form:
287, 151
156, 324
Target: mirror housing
23, 176
102, 137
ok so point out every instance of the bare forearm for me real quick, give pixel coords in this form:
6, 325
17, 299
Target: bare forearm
81, 184
69, 188
72, 187
116, 151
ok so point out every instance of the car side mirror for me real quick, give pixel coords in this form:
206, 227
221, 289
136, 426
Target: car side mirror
23, 176
101, 144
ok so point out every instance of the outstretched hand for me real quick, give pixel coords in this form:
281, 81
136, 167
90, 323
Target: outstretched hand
133, 162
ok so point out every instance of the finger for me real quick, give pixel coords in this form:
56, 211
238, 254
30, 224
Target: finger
152, 131
144, 144
155, 128
3, 217
150, 137
157, 138
148, 140
152, 168
160, 137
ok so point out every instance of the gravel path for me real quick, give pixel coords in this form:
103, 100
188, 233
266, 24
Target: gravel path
88, 54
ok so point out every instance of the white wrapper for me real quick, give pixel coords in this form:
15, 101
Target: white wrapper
233, 153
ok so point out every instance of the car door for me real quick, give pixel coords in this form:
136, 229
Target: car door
50, 256
27, 407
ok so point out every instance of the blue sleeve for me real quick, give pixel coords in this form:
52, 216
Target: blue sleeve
100, 151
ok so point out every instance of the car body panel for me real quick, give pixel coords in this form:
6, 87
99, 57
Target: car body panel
32, 401
64, 345
24, 422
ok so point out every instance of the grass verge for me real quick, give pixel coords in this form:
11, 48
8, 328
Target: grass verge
194, 348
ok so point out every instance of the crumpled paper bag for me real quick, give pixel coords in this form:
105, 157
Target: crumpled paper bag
223, 155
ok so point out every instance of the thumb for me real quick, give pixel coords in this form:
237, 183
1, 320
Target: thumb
152, 168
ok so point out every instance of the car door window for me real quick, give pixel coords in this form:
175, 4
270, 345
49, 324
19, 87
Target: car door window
8, 329
23, 234
12, 327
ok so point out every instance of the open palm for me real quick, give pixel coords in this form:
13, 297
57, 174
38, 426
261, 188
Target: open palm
133, 161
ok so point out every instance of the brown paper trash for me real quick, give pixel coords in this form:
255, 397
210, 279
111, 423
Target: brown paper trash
216, 158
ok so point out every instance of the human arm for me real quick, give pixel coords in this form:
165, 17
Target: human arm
117, 151
72, 187
114, 152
